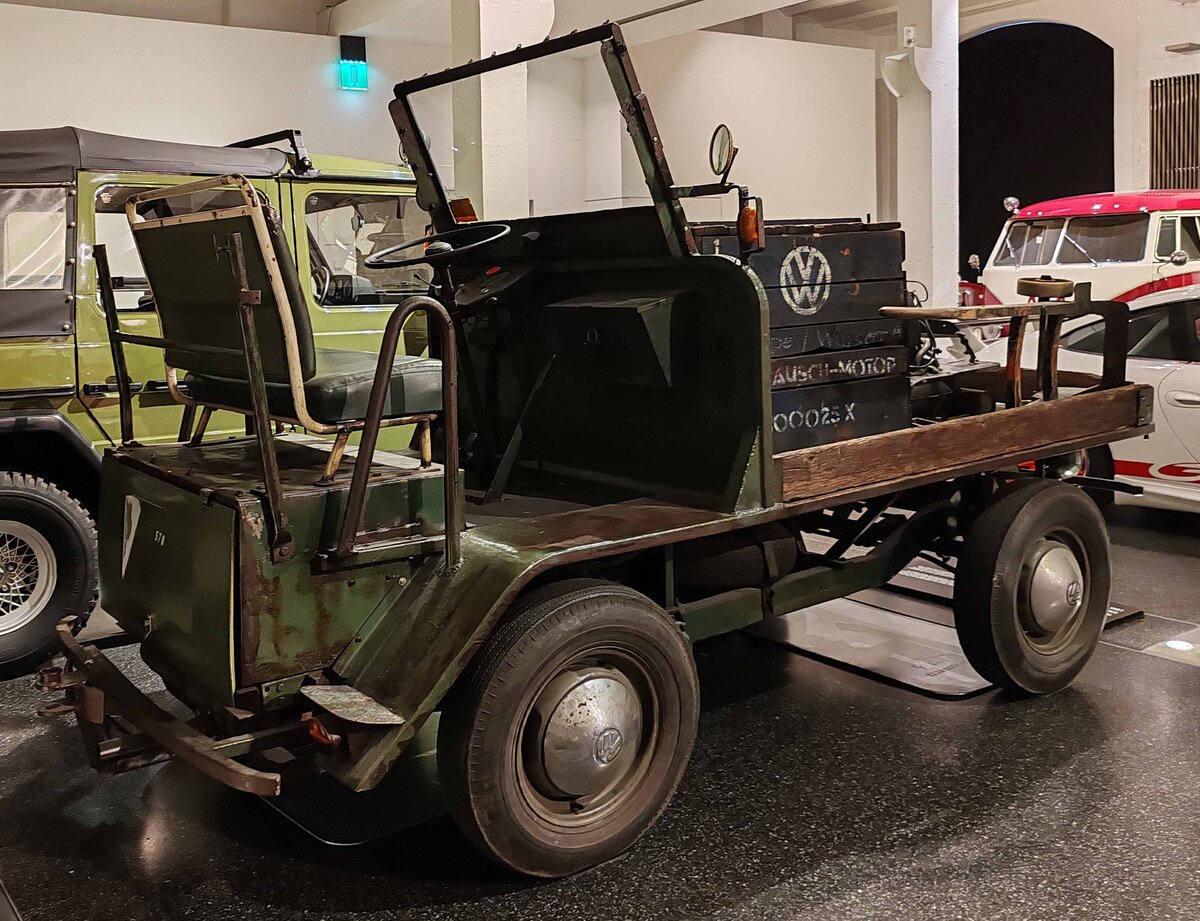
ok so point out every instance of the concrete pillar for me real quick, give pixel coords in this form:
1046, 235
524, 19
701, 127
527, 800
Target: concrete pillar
491, 114
927, 145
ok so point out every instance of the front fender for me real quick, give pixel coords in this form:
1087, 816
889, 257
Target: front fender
412, 650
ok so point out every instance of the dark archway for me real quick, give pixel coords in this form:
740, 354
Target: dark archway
1036, 121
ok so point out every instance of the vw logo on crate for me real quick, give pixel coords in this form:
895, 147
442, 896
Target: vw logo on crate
804, 278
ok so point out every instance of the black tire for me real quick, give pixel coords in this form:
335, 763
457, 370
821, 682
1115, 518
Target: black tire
1004, 564
47, 544
499, 770
1098, 462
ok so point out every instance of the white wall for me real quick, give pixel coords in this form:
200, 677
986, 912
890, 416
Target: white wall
802, 115
557, 127
286, 15
196, 83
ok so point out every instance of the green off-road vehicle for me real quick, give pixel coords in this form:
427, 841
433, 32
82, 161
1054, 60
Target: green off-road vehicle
636, 472
62, 192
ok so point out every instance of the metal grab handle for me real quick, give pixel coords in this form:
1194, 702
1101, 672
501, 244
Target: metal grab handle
1184, 398
356, 500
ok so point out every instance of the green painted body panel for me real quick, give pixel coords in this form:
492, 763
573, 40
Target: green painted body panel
166, 560
198, 561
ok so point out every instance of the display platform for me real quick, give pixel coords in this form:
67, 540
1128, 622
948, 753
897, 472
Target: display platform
903, 632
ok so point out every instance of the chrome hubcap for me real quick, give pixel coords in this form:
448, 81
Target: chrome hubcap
28, 571
590, 727
1054, 585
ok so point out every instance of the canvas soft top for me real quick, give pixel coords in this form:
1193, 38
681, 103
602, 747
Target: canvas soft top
55, 154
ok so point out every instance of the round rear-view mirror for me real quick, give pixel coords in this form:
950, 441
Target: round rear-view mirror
720, 150
1179, 257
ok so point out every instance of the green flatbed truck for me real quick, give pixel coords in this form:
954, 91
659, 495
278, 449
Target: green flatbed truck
62, 192
615, 495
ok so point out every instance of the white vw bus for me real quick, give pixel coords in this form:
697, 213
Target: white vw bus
1126, 244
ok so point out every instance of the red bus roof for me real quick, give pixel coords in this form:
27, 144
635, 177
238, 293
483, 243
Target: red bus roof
1115, 203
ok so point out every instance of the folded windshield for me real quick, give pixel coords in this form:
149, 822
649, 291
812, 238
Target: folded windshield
569, 151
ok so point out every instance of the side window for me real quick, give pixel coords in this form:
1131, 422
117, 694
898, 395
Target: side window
112, 230
1190, 237
33, 239
344, 229
1165, 332
1168, 238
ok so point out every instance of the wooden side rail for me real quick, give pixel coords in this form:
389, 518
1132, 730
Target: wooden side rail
964, 446
1050, 316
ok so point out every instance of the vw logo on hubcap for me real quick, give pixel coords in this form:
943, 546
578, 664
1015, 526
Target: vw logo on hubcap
1074, 593
607, 745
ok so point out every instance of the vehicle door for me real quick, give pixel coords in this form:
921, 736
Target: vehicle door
337, 225
1179, 392
36, 285
1177, 249
1163, 352
102, 220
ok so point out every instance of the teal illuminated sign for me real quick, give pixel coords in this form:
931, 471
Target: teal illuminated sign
353, 74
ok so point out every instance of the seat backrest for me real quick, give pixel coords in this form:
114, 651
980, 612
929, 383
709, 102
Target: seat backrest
190, 272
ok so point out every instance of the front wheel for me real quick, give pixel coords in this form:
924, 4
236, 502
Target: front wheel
568, 738
47, 567
1032, 586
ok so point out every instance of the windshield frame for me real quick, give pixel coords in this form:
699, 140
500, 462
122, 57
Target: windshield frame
635, 109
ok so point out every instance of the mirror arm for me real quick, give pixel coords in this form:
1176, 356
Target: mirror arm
696, 191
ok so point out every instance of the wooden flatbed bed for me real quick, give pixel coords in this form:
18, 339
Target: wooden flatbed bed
1106, 408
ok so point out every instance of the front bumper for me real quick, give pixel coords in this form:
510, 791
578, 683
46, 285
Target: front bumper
123, 729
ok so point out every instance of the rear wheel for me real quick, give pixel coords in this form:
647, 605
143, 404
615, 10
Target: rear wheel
47, 567
567, 739
1032, 586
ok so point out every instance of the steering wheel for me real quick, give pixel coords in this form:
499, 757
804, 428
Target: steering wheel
437, 255
323, 275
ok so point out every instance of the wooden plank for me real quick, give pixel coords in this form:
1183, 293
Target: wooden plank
927, 452
814, 301
807, 416
990, 312
828, 337
869, 253
828, 367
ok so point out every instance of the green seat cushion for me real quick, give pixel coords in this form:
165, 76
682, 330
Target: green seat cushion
340, 389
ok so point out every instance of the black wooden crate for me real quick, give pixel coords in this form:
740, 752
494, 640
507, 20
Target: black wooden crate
826, 337
822, 273
832, 367
853, 252
804, 417
839, 302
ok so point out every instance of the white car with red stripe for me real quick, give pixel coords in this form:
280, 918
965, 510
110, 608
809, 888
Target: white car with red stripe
1164, 351
1127, 245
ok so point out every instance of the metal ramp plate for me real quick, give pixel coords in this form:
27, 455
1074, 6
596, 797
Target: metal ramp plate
902, 632
913, 652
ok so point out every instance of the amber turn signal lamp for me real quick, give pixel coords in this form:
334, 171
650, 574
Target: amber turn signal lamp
752, 235
463, 210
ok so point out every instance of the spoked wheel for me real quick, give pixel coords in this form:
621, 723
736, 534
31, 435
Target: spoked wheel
1032, 586
28, 574
567, 740
47, 568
